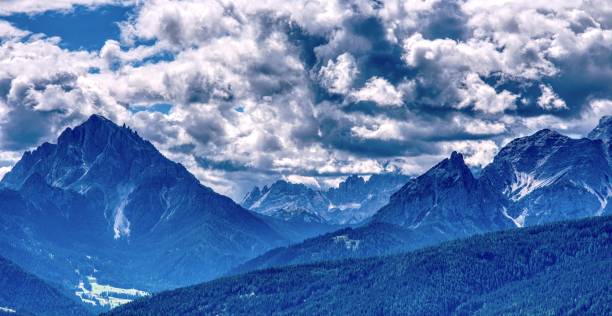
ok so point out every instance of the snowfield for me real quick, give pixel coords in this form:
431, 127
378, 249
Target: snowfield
90, 292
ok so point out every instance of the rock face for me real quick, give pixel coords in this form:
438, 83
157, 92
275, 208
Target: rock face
103, 199
603, 131
356, 200
288, 201
446, 202
549, 177
353, 201
536, 179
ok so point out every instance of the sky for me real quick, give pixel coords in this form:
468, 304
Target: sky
247, 92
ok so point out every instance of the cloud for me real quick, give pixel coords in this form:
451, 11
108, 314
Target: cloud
484, 97
380, 91
386, 130
314, 90
45, 87
181, 24
476, 153
34, 6
9, 32
337, 76
549, 100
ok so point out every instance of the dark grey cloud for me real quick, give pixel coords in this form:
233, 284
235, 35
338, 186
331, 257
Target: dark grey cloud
223, 165
207, 130
183, 148
25, 128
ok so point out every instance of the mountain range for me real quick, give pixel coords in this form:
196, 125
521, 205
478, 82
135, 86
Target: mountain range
103, 215
353, 201
536, 179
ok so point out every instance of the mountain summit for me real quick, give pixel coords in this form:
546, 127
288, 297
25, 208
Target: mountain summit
446, 201
603, 130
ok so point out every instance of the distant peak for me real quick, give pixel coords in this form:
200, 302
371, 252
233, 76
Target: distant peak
280, 182
352, 181
282, 185
355, 179
251, 197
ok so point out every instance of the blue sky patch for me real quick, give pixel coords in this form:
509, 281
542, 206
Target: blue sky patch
81, 28
157, 107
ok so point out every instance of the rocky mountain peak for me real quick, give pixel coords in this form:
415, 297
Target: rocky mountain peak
251, 197
97, 132
603, 130
457, 158
452, 167
97, 151
352, 181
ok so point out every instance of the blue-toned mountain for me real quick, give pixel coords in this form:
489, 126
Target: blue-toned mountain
355, 200
444, 203
536, 179
104, 203
352, 202
603, 130
549, 177
288, 201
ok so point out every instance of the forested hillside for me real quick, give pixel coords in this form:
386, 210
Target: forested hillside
559, 268
22, 293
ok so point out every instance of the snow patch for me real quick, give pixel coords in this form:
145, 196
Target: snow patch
526, 183
518, 221
121, 225
7, 310
90, 292
261, 199
348, 206
601, 197
247, 295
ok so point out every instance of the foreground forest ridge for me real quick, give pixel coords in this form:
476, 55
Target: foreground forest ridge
554, 269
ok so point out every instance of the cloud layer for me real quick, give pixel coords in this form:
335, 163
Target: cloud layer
314, 90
